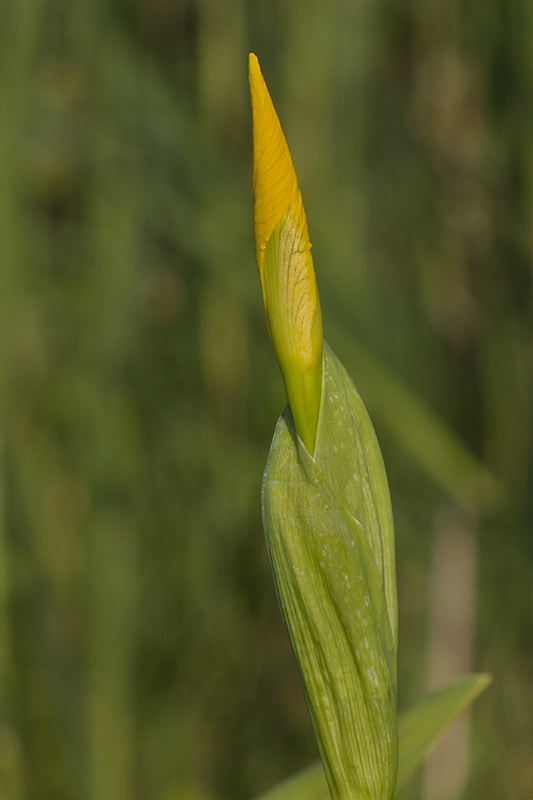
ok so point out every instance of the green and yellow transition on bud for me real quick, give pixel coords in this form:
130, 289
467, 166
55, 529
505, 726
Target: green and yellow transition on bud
283, 254
326, 506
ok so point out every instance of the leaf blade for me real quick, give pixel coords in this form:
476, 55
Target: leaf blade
329, 532
422, 725
445, 705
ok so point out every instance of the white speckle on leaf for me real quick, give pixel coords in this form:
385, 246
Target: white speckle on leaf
372, 677
358, 654
367, 601
365, 640
365, 621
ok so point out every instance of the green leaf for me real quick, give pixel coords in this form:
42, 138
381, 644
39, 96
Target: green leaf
421, 726
419, 729
308, 784
328, 525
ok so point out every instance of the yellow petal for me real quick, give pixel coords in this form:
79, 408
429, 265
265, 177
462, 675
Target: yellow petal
283, 254
274, 178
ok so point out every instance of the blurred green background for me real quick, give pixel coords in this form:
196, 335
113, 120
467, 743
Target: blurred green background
142, 653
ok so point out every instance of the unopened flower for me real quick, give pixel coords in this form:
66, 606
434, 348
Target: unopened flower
283, 254
326, 506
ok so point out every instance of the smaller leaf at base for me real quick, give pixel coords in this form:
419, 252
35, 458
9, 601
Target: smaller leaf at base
419, 729
421, 726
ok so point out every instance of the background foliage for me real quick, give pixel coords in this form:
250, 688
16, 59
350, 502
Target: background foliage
141, 650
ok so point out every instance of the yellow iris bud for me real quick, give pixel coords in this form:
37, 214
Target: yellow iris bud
327, 515
283, 254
